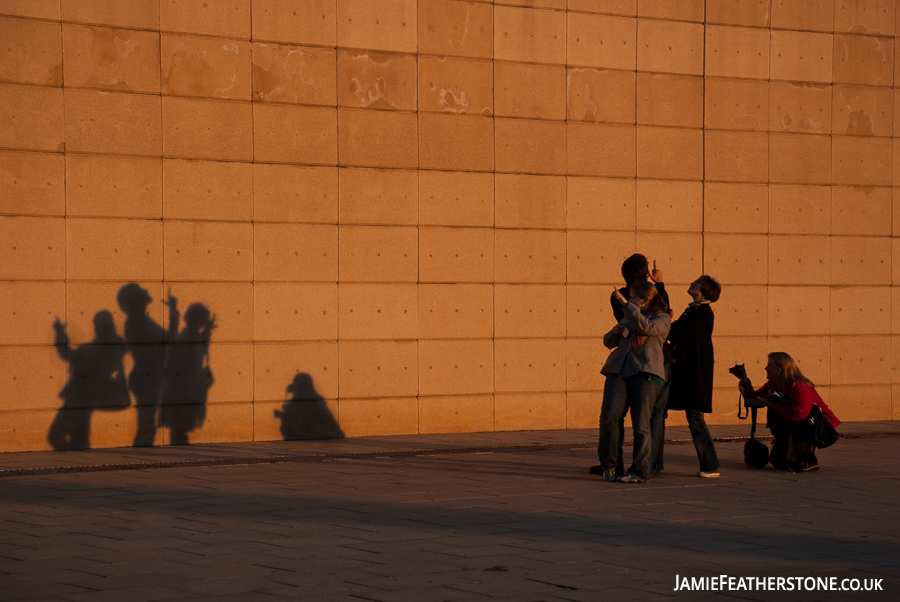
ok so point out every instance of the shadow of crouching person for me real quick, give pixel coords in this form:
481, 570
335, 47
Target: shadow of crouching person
306, 415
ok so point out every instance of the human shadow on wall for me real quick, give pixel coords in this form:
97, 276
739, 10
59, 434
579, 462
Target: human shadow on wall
170, 378
145, 342
306, 415
96, 382
188, 376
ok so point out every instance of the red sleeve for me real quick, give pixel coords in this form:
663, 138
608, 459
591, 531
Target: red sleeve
802, 398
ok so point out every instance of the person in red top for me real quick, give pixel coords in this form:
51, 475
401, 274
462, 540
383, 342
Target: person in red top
788, 450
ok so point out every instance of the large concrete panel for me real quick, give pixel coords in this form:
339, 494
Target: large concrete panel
456, 414
114, 249
229, 18
529, 91
377, 312
529, 35
523, 201
32, 183
603, 41
379, 25
193, 66
456, 367
111, 59
600, 204
529, 310
295, 253
456, 311
295, 21
208, 251
456, 255
448, 28
102, 186
378, 369
737, 51
37, 58
450, 85
293, 74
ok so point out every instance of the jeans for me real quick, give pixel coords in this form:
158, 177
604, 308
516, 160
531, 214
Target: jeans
658, 422
612, 417
637, 394
703, 443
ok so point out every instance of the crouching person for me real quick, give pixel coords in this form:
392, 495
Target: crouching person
796, 414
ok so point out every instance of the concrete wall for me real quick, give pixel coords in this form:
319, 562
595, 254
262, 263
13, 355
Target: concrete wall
422, 204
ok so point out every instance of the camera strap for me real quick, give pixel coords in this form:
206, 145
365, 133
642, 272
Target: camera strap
741, 405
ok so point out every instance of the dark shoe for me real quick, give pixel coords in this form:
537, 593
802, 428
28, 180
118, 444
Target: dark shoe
609, 475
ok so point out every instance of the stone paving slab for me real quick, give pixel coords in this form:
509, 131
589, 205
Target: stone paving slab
509, 525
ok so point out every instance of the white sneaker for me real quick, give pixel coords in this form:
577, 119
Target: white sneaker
707, 475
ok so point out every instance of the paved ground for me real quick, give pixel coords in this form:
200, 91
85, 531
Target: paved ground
428, 518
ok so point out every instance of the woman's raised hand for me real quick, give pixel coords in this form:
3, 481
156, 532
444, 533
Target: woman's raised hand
656, 275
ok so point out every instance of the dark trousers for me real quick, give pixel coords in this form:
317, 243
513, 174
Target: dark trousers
789, 450
703, 443
658, 422
620, 395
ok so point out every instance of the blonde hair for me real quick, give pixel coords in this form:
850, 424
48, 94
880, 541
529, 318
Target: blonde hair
790, 372
655, 301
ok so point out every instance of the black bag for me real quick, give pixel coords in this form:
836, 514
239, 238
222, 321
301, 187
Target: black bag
756, 453
817, 430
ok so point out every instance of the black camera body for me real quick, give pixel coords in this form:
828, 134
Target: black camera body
779, 398
739, 371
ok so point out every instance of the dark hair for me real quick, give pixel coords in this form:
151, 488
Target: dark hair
655, 301
635, 269
710, 288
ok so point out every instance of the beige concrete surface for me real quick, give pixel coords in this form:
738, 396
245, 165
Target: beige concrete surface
422, 205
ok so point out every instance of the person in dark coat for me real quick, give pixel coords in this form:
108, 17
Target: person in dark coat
692, 368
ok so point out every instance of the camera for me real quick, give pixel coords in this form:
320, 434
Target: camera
739, 371
779, 398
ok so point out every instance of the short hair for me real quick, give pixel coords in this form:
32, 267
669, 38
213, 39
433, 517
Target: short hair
655, 301
710, 288
635, 269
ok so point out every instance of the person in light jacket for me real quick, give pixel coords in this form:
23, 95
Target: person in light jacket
634, 374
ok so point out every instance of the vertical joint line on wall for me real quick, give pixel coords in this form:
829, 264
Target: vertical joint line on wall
337, 169
703, 149
253, 230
